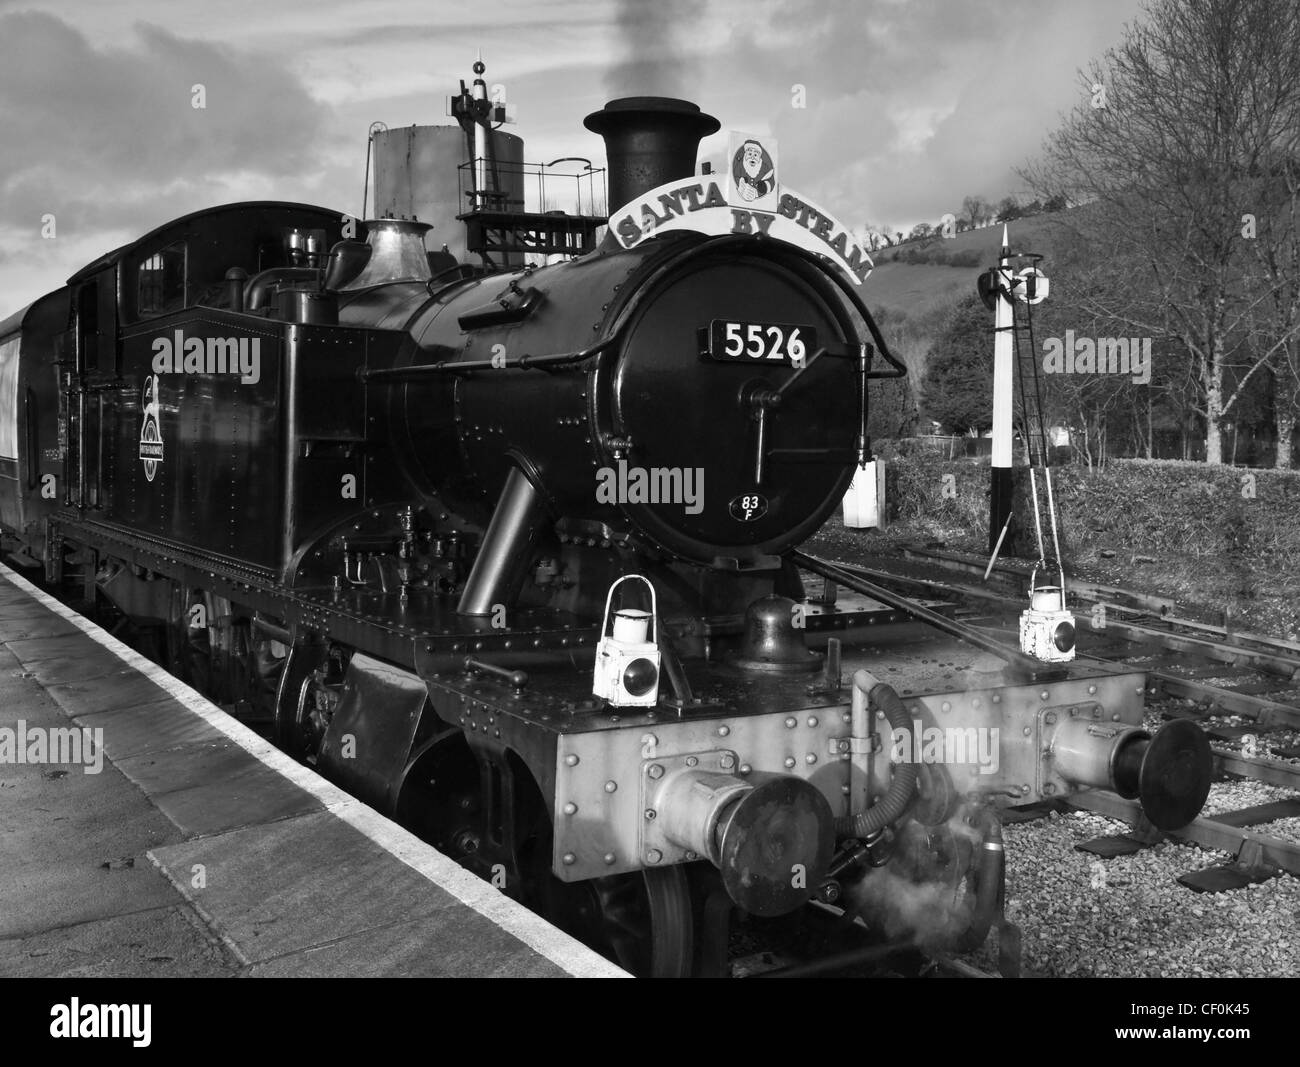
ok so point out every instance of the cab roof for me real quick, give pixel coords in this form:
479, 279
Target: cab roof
111, 258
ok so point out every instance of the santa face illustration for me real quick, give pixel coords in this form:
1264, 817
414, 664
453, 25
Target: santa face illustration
752, 170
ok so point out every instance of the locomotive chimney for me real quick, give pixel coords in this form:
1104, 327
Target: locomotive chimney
649, 140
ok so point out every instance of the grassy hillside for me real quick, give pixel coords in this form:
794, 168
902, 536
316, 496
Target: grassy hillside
914, 285
932, 284
922, 290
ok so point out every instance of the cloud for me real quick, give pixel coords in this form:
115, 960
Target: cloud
110, 138
909, 105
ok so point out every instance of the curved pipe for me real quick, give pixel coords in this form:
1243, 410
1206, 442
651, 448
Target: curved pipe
870, 692
990, 881
260, 285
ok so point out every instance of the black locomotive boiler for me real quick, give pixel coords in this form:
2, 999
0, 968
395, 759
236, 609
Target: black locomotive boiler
380, 500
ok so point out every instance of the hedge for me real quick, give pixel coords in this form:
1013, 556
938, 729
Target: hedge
1225, 514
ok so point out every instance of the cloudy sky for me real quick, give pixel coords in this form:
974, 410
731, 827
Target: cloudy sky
910, 104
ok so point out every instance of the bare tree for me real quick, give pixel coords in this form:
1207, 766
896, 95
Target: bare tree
1105, 411
1275, 252
977, 210
1173, 135
877, 237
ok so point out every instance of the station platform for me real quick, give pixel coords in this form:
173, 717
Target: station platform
146, 833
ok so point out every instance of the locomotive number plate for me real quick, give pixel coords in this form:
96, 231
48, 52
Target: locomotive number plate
760, 342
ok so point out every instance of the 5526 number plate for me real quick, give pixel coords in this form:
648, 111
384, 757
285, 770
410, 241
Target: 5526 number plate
760, 342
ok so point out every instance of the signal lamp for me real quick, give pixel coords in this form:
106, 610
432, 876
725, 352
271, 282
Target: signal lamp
1046, 626
627, 660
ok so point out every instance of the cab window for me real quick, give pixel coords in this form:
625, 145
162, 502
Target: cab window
162, 281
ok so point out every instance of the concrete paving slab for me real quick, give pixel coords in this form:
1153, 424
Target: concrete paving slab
50, 817
168, 942
215, 785
11, 596
17, 627
124, 689
36, 649
62, 894
74, 668
167, 770
23, 700
147, 728
58, 828
208, 784
267, 890
250, 795
471, 947
14, 601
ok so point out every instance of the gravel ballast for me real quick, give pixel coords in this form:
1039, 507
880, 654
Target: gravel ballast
1083, 916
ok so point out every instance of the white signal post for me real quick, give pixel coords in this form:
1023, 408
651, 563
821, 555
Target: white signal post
1002, 324
1000, 475
480, 137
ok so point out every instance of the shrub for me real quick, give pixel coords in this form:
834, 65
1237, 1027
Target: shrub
1143, 505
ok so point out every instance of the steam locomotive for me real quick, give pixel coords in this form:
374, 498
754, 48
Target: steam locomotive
511, 550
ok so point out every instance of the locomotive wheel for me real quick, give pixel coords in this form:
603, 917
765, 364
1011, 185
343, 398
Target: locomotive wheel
227, 646
644, 921
295, 699
266, 659
189, 647
438, 798
293, 732
252, 665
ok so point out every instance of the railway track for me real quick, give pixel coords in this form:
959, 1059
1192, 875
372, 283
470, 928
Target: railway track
1242, 688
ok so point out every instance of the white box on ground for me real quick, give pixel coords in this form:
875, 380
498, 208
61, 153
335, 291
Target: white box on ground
864, 503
